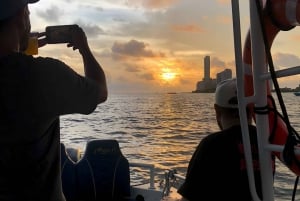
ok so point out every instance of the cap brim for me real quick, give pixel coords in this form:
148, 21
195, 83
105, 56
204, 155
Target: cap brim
32, 1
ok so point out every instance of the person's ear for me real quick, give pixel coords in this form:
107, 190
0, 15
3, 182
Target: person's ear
217, 109
218, 112
22, 18
218, 115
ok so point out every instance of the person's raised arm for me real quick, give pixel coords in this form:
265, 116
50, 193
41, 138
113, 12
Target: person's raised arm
92, 68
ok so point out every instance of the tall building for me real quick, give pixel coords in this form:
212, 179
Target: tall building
206, 68
226, 74
208, 84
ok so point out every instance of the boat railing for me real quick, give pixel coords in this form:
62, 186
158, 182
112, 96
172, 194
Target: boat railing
260, 78
241, 98
282, 73
151, 169
172, 179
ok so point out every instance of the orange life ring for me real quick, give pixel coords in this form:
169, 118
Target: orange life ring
278, 15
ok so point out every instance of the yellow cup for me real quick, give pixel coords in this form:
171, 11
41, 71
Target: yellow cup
33, 46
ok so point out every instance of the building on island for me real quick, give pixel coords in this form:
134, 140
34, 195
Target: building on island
208, 85
226, 74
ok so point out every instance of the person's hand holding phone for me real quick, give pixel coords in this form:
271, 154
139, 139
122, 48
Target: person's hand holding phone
73, 35
60, 33
35, 41
79, 41
41, 37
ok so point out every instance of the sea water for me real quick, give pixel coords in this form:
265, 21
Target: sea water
164, 130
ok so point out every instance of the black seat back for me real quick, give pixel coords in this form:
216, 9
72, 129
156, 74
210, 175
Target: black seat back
101, 174
110, 170
68, 175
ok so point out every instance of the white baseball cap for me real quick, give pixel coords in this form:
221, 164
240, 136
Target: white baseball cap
9, 8
226, 94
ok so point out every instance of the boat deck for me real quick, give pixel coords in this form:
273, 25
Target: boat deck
174, 196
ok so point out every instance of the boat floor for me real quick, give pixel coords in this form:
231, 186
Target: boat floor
154, 194
173, 196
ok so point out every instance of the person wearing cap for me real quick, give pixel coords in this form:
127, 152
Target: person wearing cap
217, 169
35, 92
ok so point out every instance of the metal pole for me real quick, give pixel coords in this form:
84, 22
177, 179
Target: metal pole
241, 97
260, 92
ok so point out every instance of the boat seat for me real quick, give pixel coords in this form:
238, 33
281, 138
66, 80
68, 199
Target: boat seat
68, 174
85, 183
109, 171
73, 153
101, 174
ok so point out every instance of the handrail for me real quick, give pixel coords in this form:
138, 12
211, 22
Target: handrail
260, 91
151, 168
242, 100
282, 73
171, 179
260, 76
179, 176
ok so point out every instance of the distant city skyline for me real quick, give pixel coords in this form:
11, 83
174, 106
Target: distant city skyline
208, 84
157, 46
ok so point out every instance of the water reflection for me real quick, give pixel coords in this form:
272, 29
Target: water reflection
163, 129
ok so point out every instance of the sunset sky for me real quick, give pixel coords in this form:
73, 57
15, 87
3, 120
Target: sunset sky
157, 45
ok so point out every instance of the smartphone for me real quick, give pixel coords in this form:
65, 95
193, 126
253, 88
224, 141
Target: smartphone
60, 33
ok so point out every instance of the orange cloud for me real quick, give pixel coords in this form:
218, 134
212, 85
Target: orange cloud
152, 4
133, 48
188, 28
225, 20
225, 2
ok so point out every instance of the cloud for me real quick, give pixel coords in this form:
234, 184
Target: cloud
191, 53
98, 8
136, 38
133, 48
132, 68
52, 14
226, 20
283, 60
188, 28
186, 81
216, 62
151, 4
182, 26
147, 76
225, 2
91, 30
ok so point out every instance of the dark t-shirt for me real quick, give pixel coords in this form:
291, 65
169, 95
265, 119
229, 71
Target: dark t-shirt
34, 92
217, 170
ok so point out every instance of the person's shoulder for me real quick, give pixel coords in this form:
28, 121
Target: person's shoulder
22, 58
47, 60
233, 129
225, 135
16, 60
210, 138
50, 63
14, 57
213, 142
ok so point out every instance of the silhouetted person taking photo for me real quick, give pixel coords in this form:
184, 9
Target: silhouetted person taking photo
34, 93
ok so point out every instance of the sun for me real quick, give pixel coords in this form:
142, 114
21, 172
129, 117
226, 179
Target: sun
167, 75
